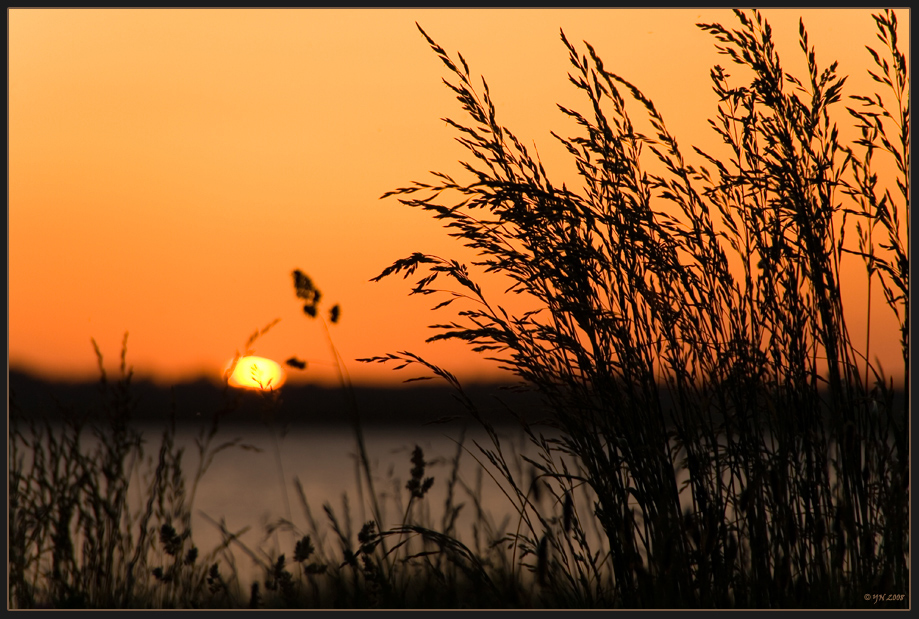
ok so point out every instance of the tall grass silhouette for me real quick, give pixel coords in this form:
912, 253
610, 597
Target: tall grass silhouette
688, 336
77, 537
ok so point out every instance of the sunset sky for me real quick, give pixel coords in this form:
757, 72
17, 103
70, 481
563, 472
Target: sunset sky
168, 169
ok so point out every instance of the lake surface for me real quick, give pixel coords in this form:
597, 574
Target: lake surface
243, 488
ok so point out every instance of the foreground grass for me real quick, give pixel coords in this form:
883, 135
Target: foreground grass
777, 474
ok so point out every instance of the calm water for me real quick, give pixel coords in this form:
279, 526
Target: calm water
244, 488
248, 488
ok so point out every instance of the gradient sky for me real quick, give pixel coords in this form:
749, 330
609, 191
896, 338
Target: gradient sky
168, 169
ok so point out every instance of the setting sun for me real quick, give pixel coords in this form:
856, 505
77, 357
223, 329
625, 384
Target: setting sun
256, 373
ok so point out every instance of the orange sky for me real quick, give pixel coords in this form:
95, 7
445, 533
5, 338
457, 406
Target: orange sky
168, 169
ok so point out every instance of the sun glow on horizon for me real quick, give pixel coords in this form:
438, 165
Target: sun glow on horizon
256, 373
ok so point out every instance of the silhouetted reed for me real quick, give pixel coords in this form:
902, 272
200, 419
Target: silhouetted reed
687, 332
76, 537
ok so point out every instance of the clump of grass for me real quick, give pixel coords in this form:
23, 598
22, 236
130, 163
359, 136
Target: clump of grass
77, 539
688, 335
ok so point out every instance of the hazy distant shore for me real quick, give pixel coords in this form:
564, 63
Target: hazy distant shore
409, 405
418, 403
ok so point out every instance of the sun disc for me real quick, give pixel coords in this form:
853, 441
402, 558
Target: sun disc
256, 373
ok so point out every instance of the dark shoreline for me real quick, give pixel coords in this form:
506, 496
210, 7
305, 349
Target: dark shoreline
419, 403
196, 401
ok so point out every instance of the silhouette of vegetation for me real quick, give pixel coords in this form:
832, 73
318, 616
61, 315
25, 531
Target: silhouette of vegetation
775, 473
76, 540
